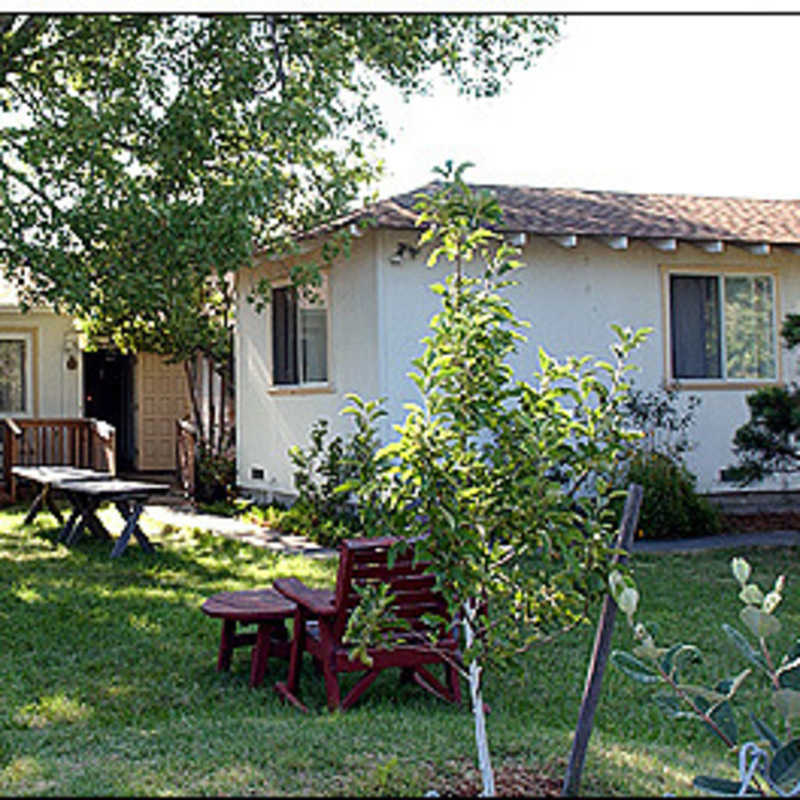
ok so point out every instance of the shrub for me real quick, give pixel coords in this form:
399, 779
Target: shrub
324, 512
304, 520
671, 508
215, 476
769, 763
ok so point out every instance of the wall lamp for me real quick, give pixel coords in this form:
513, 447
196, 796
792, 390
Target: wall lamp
401, 251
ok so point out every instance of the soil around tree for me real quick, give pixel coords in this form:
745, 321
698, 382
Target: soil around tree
511, 779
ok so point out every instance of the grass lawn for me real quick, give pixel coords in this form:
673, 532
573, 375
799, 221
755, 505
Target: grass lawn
108, 685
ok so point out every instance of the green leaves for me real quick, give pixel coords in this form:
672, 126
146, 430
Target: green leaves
678, 657
787, 703
634, 668
158, 151
721, 715
765, 732
743, 646
759, 623
719, 786
784, 770
506, 479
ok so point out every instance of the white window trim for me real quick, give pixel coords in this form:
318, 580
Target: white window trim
719, 272
27, 337
309, 387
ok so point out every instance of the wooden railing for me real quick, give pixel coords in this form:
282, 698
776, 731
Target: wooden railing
186, 455
76, 442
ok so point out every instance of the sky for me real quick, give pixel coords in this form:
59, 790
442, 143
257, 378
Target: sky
678, 103
701, 105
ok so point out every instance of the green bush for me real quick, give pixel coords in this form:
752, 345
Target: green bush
671, 507
326, 510
303, 519
215, 476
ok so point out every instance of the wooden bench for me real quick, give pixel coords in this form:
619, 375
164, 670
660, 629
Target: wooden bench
321, 618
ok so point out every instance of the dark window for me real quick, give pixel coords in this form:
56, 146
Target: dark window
695, 319
284, 335
300, 335
723, 326
13, 388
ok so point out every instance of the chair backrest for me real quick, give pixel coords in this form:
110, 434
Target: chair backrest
365, 561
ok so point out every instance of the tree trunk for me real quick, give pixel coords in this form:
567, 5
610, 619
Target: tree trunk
208, 366
198, 419
481, 739
223, 404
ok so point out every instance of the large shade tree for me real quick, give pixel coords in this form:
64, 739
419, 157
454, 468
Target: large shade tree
144, 159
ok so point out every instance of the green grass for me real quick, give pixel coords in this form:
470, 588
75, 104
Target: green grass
108, 682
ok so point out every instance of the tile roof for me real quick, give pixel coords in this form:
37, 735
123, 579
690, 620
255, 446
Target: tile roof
600, 213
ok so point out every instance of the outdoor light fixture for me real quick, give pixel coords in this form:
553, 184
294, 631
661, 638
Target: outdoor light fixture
401, 250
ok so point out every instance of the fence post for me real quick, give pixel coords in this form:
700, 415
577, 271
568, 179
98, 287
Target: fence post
602, 644
11, 456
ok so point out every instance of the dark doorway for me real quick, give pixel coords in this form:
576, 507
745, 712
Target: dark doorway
108, 396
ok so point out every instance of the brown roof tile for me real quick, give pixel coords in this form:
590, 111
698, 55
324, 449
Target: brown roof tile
600, 213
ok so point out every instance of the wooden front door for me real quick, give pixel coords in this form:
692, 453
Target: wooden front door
162, 397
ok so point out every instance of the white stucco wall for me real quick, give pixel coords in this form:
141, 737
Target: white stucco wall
571, 296
271, 419
380, 311
56, 389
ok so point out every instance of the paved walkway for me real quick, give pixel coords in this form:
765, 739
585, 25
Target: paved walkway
292, 544
184, 517
727, 540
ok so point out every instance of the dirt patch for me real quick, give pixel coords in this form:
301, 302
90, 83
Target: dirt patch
765, 521
510, 779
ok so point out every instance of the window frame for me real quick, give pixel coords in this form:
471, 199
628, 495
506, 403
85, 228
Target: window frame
720, 273
301, 387
27, 335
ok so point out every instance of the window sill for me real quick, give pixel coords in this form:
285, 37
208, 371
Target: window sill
295, 389
735, 386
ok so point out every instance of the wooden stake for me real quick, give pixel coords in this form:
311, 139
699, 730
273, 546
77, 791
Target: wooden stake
602, 644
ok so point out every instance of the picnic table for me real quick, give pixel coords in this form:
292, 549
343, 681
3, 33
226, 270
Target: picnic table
86, 491
50, 478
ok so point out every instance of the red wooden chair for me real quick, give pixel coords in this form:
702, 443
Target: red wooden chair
321, 619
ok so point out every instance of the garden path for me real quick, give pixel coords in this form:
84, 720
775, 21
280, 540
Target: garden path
249, 532
725, 540
293, 544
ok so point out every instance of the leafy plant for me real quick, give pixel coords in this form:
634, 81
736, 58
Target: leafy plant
323, 511
767, 443
215, 476
506, 483
671, 506
663, 421
145, 157
772, 760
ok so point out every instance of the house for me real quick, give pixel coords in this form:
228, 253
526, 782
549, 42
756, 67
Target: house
45, 375
713, 277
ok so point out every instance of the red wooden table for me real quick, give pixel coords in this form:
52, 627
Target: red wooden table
264, 607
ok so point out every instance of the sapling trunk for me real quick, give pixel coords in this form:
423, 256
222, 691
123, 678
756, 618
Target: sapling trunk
190, 382
476, 695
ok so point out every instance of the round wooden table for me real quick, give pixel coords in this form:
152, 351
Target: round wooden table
263, 607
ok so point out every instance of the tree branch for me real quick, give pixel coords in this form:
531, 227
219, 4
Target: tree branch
57, 212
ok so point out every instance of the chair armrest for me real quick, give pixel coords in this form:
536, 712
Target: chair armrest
319, 602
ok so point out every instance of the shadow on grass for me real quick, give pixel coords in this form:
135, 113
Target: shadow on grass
125, 636
108, 682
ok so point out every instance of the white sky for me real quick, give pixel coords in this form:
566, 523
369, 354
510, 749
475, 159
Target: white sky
687, 104
676, 104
